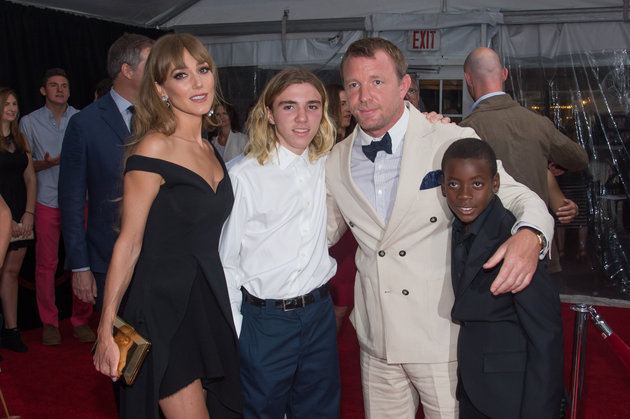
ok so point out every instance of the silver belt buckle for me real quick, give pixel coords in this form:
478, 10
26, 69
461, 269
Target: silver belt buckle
284, 303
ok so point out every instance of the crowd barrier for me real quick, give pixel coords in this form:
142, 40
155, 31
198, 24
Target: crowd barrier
619, 347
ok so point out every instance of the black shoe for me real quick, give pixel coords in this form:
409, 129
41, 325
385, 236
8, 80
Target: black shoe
11, 340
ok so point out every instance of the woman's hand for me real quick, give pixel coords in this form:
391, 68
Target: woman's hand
27, 223
106, 357
16, 229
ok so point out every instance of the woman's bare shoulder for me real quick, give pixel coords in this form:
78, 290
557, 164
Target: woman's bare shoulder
154, 144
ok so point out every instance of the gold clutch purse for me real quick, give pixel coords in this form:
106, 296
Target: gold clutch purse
133, 349
29, 236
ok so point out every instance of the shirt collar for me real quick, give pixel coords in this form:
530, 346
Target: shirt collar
476, 225
396, 133
486, 96
121, 103
284, 157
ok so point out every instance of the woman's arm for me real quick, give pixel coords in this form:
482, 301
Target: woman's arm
140, 190
31, 194
5, 229
564, 209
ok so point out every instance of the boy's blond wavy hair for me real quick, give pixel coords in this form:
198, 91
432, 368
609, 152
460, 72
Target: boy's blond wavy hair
262, 135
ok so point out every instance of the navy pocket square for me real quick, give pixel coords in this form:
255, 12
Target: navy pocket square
431, 180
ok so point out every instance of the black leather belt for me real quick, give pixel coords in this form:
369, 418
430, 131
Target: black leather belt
289, 304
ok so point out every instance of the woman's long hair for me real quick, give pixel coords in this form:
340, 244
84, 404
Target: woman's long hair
18, 137
334, 108
262, 135
151, 112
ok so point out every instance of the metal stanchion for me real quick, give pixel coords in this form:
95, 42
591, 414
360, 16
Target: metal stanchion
579, 356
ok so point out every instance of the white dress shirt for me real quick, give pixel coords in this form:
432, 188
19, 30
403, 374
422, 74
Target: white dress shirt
274, 242
379, 180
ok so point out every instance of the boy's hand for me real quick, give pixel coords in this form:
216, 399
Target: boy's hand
520, 259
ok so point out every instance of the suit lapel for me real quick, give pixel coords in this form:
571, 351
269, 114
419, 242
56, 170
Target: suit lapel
482, 248
112, 117
417, 160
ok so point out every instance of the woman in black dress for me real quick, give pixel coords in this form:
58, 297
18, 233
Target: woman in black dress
176, 198
18, 187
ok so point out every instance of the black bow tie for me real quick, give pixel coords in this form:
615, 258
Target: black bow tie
385, 144
132, 109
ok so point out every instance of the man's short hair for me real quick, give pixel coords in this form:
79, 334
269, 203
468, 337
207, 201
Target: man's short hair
126, 49
367, 47
51, 72
471, 148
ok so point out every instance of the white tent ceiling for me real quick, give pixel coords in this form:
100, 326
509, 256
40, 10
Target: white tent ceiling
206, 17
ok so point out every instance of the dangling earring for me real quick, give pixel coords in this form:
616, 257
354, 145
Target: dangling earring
165, 100
210, 112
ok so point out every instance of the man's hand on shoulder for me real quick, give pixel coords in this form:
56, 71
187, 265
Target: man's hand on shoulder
434, 117
520, 258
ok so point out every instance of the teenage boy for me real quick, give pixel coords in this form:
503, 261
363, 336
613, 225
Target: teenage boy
275, 255
44, 129
510, 345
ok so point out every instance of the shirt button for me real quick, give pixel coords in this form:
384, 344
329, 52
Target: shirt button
380, 192
308, 203
405, 292
433, 219
300, 180
351, 224
381, 253
302, 254
402, 253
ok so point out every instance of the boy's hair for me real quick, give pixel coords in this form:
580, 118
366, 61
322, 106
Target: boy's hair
471, 148
51, 72
262, 135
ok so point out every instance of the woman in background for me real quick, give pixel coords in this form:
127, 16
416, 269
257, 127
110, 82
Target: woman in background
342, 284
339, 110
18, 187
229, 140
177, 195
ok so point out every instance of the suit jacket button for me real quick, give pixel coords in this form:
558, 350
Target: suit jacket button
405, 292
381, 253
402, 253
351, 224
433, 219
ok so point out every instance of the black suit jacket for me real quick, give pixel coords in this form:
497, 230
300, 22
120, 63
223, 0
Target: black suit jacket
92, 158
510, 349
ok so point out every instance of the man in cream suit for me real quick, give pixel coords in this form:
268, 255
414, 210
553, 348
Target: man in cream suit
383, 183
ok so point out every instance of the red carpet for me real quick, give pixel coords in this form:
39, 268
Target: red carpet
60, 382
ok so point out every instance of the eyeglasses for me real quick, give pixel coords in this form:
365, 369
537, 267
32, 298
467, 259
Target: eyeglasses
412, 92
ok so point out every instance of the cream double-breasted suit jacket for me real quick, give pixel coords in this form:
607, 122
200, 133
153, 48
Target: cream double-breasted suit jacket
403, 294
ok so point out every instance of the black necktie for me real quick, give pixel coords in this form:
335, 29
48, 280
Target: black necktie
385, 144
131, 109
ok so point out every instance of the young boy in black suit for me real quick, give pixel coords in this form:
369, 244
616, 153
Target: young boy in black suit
510, 354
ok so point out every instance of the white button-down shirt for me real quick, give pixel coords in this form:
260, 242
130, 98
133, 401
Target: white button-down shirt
274, 242
379, 180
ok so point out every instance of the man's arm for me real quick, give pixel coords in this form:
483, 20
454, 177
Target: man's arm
564, 152
230, 250
336, 225
521, 252
72, 193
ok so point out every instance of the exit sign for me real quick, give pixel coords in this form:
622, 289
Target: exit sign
423, 40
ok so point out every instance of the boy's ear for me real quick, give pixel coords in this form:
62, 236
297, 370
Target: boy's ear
442, 187
270, 116
496, 183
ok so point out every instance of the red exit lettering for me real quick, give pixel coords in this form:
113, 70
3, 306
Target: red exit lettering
427, 39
